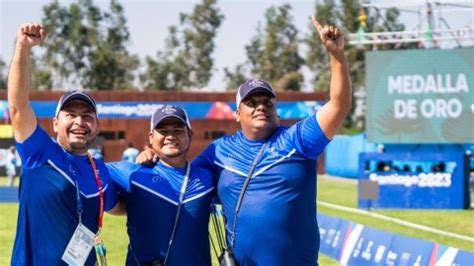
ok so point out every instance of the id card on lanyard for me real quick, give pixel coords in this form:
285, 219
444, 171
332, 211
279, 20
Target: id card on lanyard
83, 239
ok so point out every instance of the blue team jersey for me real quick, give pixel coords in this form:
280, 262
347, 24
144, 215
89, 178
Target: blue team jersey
48, 215
277, 223
152, 197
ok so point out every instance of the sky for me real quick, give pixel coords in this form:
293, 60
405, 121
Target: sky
148, 23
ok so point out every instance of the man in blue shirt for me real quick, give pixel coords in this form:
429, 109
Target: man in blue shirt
63, 191
276, 223
168, 205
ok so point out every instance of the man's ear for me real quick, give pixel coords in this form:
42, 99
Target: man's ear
98, 127
237, 115
55, 124
150, 137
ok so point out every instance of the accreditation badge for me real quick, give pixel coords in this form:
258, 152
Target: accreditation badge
79, 247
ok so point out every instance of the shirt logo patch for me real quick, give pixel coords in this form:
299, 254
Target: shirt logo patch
71, 169
231, 156
257, 83
156, 179
272, 153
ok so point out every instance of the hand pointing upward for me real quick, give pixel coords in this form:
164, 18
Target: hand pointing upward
331, 37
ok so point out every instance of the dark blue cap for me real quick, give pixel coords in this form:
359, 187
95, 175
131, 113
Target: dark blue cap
73, 96
252, 86
169, 111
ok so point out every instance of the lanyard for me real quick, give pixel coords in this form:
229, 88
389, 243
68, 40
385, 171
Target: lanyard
181, 199
242, 192
101, 195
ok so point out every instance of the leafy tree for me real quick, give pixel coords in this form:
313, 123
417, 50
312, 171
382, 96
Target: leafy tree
273, 53
111, 65
317, 58
186, 61
235, 77
346, 17
167, 72
40, 77
79, 53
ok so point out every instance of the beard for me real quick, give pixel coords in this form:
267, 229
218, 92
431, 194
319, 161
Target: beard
75, 147
173, 153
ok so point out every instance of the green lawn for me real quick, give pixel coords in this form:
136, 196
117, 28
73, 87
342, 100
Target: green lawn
332, 190
459, 221
114, 236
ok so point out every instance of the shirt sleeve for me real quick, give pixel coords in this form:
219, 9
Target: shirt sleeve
121, 173
308, 137
111, 196
206, 160
37, 149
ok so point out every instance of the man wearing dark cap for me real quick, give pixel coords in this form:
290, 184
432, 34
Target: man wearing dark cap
168, 205
63, 190
267, 173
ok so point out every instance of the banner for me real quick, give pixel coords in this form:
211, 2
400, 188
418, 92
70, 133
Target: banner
420, 96
196, 110
362, 245
422, 180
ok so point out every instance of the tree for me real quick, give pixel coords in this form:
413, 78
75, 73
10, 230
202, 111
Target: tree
111, 65
273, 54
78, 52
317, 58
168, 71
40, 77
186, 61
235, 77
346, 17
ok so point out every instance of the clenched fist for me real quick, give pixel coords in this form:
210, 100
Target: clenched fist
30, 34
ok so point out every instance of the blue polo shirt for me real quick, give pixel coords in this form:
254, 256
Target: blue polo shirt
48, 215
277, 223
152, 196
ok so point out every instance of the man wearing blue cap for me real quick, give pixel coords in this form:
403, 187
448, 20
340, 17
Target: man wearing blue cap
167, 205
267, 173
63, 190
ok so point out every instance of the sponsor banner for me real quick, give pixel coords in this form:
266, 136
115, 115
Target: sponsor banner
420, 96
195, 110
422, 180
462, 258
368, 246
408, 251
332, 234
9, 194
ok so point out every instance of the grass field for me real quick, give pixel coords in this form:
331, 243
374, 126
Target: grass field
332, 190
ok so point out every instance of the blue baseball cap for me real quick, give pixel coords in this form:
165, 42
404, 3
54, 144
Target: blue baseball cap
73, 96
252, 86
169, 111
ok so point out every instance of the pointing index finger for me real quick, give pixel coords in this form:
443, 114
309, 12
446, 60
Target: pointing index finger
316, 24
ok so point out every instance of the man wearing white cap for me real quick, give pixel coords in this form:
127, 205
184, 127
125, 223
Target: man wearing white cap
63, 190
167, 205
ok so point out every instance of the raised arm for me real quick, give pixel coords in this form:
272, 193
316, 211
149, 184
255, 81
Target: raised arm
19, 85
331, 115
